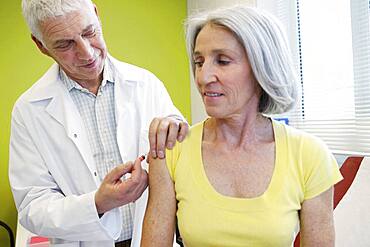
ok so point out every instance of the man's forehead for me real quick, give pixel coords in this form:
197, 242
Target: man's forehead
71, 24
67, 36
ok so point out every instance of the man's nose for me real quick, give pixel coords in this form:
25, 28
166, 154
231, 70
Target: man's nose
84, 49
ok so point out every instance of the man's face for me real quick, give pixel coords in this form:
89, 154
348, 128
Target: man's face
75, 41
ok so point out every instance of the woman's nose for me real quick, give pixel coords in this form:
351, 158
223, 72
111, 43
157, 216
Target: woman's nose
206, 74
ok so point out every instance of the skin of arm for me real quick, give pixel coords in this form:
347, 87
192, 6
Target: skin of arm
159, 220
316, 221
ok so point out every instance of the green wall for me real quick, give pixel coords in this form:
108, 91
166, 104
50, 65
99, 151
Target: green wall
143, 32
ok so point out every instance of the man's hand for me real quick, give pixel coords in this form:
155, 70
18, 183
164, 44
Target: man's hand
113, 192
163, 132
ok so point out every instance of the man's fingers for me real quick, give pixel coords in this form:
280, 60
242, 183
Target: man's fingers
184, 129
173, 130
137, 169
137, 183
162, 133
153, 137
119, 171
141, 186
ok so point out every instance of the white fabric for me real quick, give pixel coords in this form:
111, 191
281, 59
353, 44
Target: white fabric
99, 118
352, 215
51, 169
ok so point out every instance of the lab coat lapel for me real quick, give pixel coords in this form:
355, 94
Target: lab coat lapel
62, 109
127, 118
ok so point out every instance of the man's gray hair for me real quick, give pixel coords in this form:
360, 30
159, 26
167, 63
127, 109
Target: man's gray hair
265, 43
36, 11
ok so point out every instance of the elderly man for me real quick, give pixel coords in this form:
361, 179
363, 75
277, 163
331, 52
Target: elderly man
73, 129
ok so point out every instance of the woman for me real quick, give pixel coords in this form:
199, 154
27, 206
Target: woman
241, 178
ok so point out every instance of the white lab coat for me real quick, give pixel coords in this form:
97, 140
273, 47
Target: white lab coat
51, 169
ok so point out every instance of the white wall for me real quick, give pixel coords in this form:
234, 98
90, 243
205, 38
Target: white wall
199, 5
197, 109
352, 215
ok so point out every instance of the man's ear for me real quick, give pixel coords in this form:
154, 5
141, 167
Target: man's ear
39, 44
97, 13
96, 10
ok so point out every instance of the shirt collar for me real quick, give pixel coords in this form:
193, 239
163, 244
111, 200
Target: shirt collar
108, 76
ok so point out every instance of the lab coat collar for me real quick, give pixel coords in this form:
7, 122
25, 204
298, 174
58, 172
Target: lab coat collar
49, 85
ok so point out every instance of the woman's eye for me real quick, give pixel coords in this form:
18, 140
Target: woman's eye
223, 62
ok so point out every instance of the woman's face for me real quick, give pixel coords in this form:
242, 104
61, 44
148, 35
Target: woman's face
223, 74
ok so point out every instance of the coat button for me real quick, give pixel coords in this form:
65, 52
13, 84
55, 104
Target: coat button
75, 135
95, 174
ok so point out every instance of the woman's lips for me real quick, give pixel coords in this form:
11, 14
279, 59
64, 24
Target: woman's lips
213, 94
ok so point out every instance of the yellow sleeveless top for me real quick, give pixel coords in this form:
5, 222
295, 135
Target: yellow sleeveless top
304, 168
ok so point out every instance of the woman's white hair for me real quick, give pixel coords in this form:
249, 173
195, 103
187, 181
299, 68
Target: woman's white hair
36, 11
267, 49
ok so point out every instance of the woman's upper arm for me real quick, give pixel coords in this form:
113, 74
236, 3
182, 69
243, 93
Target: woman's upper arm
316, 220
159, 220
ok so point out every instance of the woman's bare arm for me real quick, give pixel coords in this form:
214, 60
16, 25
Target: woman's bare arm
159, 220
316, 217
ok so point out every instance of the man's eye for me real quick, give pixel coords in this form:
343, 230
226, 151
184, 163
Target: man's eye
90, 34
64, 45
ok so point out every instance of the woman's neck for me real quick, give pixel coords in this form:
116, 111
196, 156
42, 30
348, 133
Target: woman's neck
238, 132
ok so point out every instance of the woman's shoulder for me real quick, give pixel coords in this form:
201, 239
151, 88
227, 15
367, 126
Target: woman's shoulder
298, 137
197, 127
314, 163
185, 150
195, 132
190, 141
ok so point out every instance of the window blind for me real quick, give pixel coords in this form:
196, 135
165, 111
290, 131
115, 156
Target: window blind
331, 46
